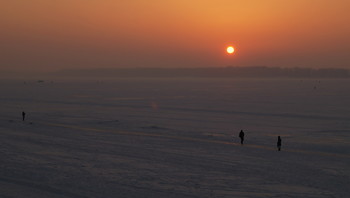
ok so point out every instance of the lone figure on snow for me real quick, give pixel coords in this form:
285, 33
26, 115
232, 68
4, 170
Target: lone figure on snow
23, 115
279, 143
241, 135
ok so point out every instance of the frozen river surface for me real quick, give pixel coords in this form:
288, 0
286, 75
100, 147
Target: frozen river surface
175, 138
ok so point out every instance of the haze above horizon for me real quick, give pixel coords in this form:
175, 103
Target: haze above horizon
51, 35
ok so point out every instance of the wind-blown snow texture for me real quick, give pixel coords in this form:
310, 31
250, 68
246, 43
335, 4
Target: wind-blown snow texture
175, 138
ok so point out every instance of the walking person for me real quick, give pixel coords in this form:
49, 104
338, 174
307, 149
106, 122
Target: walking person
23, 115
241, 135
279, 143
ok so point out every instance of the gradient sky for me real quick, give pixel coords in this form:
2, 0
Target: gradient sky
50, 34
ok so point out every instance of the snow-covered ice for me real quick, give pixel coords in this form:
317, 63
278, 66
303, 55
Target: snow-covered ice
174, 138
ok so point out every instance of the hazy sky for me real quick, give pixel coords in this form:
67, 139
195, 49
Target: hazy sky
55, 34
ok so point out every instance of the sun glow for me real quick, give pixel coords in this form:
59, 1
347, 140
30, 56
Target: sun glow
230, 50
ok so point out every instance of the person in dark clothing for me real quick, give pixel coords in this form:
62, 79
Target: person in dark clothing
241, 135
23, 115
279, 143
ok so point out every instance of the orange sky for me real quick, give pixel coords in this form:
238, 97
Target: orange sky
42, 34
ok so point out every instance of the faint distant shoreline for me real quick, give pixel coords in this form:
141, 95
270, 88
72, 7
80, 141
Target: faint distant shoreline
209, 72
222, 72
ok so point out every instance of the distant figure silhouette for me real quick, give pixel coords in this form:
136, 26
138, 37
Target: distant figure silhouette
241, 135
279, 143
23, 115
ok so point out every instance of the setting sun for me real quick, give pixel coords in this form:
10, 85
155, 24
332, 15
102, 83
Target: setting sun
230, 49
